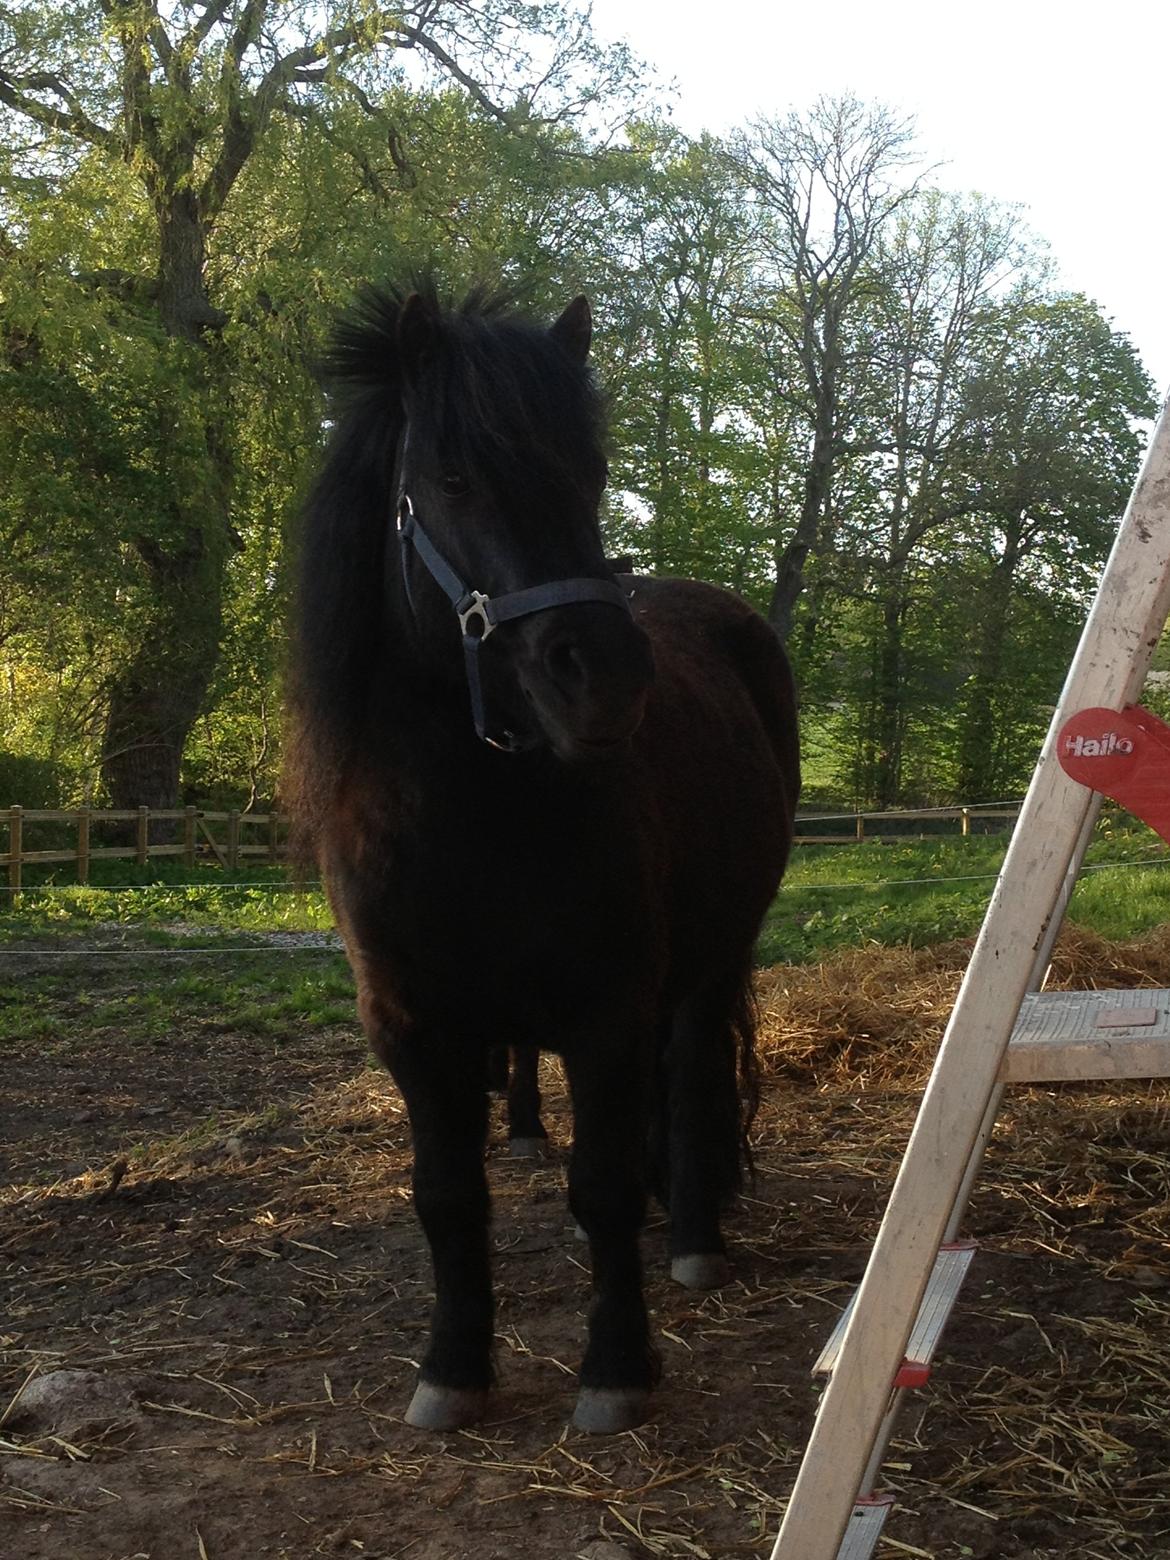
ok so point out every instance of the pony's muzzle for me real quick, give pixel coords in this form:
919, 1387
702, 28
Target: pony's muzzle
587, 674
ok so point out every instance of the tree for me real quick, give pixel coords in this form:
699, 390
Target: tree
173, 101
1053, 446
939, 268
687, 266
825, 184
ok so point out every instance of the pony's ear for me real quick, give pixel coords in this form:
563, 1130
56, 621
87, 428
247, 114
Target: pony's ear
574, 330
418, 331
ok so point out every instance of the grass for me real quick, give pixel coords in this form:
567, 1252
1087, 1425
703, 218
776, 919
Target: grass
910, 892
918, 892
166, 908
150, 1000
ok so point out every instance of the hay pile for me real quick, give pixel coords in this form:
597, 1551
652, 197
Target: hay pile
872, 1017
1046, 1426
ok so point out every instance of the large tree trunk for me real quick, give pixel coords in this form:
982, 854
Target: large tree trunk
890, 721
792, 557
978, 756
158, 695
818, 482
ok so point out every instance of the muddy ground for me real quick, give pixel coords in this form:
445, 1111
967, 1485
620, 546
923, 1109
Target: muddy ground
213, 1225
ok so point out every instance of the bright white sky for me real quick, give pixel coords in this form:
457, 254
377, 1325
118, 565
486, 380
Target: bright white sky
1059, 106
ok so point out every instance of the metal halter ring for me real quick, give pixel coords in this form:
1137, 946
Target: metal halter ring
475, 605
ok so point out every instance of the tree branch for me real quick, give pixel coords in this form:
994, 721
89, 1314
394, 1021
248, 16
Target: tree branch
157, 34
307, 64
72, 119
432, 47
213, 13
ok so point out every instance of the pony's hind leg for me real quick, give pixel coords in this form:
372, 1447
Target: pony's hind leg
447, 1104
497, 1069
607, 1196
705, 1135
527, 1138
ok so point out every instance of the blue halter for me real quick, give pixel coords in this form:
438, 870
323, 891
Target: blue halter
480, 615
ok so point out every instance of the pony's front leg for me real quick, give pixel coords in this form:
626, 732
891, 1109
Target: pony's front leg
607, 1194
447, 1103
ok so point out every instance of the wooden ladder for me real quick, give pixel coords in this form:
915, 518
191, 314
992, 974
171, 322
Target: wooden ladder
1003, 1029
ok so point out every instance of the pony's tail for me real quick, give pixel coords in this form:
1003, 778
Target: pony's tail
744, 1022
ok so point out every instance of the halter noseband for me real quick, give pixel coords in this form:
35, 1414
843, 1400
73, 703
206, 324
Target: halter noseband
475, 607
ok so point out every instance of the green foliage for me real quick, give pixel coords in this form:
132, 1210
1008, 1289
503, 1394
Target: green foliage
884, 409
28, 781
200, 901
183, 202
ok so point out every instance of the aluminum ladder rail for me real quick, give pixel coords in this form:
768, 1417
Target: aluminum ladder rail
1108, 669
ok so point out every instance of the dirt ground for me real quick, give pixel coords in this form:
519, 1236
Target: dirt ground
214, 1230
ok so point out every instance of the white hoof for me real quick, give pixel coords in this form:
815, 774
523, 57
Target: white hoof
606, 1410
702, 1270
445, 1408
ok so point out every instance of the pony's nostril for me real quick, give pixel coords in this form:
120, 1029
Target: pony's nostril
566, 665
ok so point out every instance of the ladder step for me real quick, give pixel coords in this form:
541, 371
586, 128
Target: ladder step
865, 1527
1078, 1035
942, 1290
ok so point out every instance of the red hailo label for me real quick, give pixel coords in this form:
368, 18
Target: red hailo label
1124, 754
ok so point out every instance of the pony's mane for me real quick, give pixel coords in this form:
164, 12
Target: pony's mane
472, 405
364, 340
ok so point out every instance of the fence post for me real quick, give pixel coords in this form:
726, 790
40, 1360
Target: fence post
143, 847
966, 822
15, 831
233, 846
860, 827
189, 816
83, 844
273, 835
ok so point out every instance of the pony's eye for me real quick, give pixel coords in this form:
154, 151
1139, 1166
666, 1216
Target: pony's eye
453, 484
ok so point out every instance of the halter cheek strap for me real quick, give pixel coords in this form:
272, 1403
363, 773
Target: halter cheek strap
480, 614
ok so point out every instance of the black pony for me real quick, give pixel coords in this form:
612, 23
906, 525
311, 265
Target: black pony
551, 806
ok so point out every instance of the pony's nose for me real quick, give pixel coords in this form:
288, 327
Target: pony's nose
587, 675
565, 664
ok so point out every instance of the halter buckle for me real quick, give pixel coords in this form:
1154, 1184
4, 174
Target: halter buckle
475, 605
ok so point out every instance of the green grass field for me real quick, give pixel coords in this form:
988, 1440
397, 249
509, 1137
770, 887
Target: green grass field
916, 891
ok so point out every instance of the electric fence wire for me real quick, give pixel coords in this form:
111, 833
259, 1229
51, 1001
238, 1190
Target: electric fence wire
155, 888
329, 942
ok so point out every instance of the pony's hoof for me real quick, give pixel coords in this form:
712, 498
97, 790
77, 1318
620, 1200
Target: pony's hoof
445, 1408
527, 1147
606, 1410
701, 1270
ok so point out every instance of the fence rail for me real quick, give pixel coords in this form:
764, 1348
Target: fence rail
193, 825
198, 839
997, 813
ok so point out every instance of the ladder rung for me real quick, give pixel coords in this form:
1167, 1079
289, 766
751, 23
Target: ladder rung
942, 1290
865, 1527
1078, 1035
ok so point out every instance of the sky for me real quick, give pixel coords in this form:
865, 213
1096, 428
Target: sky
1060, 108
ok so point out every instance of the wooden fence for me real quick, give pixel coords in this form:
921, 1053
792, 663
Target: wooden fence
197, 840
855, 823
192, 824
